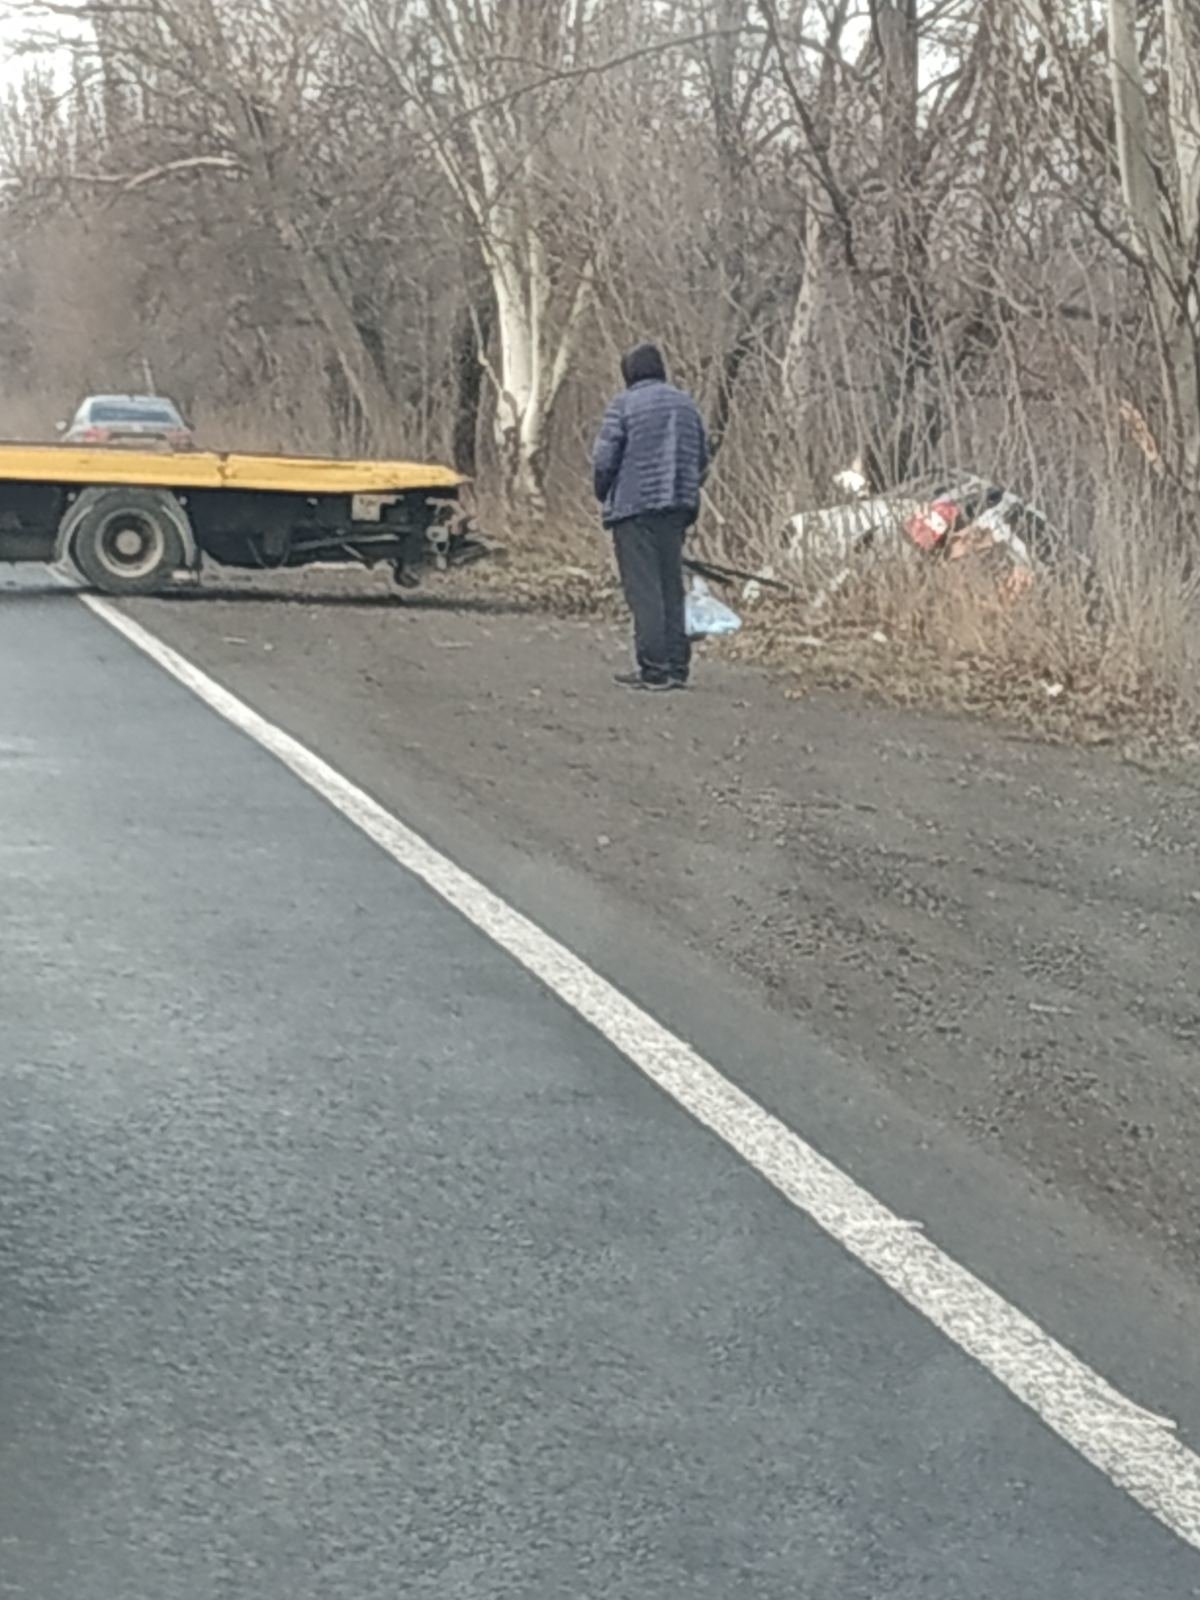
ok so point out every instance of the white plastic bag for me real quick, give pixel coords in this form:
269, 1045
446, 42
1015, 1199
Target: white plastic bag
706, 616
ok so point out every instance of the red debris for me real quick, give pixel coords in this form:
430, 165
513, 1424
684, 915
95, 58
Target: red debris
930, 528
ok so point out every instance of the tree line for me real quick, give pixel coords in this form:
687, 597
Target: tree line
902, 233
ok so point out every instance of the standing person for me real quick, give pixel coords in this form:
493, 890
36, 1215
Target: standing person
648, 466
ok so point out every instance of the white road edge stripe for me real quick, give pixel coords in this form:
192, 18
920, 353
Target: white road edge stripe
1131, 1446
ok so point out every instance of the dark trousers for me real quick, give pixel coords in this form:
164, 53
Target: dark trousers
650, 561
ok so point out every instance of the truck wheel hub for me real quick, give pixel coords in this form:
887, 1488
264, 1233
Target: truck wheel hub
131, 545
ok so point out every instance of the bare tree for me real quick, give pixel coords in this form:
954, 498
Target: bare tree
467, 73
232, 87
909, 230
1161, 194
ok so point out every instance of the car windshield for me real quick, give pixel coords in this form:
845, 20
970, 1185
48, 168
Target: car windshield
130, 411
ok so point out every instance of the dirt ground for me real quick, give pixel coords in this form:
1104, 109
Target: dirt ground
1008, 933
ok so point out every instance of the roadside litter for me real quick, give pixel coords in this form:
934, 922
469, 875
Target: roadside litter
701, 600
706, 616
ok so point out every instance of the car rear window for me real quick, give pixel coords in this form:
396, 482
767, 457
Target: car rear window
131, 413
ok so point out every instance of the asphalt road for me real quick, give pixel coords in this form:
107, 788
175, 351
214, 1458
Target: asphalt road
339, 1260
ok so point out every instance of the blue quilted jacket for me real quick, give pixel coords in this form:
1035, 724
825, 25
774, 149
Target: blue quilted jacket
651, 453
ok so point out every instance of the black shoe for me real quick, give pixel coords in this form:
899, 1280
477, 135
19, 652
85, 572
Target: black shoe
635, 680
677, 683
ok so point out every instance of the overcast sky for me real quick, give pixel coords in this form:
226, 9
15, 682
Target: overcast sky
16, 23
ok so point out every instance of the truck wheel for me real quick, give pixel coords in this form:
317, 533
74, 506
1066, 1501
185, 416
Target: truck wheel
128, 542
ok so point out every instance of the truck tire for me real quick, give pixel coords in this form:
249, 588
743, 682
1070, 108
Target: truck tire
128, 541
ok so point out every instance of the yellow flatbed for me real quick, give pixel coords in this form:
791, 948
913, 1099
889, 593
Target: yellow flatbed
132, 520
208, 469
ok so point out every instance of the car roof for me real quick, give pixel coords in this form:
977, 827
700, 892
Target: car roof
128, 400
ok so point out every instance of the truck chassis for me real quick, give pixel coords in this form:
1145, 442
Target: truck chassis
131, 521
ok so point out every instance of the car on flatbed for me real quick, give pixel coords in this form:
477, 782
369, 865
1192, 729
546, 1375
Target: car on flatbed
128, 421
131, 521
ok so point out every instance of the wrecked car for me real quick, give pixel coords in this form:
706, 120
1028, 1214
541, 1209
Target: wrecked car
953, 515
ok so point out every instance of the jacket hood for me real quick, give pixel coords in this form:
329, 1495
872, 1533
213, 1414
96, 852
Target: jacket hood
643, 362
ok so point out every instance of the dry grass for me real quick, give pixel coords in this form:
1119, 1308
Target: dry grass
1113, 661
1057, 661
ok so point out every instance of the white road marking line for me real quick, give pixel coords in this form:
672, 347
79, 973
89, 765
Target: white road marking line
1131, 1446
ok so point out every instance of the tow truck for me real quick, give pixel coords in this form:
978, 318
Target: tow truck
133, 521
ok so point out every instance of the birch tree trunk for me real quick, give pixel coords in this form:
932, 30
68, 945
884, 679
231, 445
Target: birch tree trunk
477, 99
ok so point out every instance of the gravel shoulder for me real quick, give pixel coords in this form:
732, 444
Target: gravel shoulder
1005, 934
